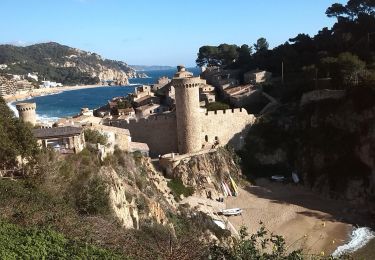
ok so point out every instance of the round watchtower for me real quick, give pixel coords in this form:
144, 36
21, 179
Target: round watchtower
26, 112
187, 110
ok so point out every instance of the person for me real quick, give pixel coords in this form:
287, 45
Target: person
209, 195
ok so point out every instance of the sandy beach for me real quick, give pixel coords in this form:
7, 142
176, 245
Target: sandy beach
305, 220
46, 91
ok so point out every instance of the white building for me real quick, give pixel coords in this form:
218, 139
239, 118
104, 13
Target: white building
50, 84
32, 76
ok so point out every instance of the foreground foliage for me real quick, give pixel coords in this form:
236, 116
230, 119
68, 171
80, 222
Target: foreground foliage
41, 243
17, 142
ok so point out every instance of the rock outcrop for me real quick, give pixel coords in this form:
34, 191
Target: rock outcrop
205, 172
141, 195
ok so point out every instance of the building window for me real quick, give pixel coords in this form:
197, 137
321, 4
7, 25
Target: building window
206, 138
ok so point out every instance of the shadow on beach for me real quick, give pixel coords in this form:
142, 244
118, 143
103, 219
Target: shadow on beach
336, 210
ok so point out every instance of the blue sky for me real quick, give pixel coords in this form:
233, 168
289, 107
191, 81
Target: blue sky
162, 32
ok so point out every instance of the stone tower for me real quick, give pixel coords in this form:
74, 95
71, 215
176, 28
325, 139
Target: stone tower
26, 112
187, 110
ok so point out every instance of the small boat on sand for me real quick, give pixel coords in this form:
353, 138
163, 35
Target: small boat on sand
231, 212
278, 178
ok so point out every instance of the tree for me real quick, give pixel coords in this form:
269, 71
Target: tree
16, 139
351, 68
208, 56
228, 53
222, 55
95, 137
244, 54
352, 10
261, 45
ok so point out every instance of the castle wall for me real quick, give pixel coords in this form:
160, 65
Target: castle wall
229, 126
159, 132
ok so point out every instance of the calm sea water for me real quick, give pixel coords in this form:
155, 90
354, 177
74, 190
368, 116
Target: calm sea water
69, 103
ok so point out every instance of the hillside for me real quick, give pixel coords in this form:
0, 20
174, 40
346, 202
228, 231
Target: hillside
64, 64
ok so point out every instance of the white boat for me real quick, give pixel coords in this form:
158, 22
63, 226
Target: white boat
231, 212
279, 178
295, 177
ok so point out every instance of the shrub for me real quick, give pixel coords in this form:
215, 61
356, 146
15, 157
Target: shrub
92, 198
217, 106
33, 243
179, 188
95, 137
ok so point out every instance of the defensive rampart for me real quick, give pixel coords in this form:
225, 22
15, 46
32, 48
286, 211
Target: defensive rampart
159, 132
226, 126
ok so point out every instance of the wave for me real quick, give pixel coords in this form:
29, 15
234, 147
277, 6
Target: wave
133, 84
45, 119
358, 239
12, 107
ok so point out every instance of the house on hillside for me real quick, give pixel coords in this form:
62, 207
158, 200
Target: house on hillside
257, 77
67, 139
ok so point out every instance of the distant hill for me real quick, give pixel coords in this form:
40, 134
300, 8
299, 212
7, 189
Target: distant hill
150, 67
64, 64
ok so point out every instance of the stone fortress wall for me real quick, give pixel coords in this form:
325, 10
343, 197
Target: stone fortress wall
190, 128
159, 132
226, 126
26, 112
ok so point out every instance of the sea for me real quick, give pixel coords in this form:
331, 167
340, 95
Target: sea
69, 103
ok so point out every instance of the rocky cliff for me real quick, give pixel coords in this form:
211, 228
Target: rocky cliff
64, 64
205, 172
137, 193
329, 142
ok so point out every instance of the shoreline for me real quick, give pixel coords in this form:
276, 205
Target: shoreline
48, 91
306, 220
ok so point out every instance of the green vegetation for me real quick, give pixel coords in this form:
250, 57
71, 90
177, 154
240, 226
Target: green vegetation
44, 243
95, 137
124, 104
262, 245
178, 188
217, 106
16, 139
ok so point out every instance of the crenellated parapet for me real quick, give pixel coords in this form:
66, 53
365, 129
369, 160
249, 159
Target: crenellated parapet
194, 82
231, 112
26, 106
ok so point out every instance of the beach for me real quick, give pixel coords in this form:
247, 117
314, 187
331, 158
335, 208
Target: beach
306, 221
46, 91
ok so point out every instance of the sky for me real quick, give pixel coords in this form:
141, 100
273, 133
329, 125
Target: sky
158, 32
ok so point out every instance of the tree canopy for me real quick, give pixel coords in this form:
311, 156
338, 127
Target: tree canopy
16, 139
345, 53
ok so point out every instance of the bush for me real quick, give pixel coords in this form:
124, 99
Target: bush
95, 137
178, 189
217, 106
33, 243
92, 198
